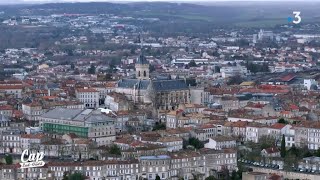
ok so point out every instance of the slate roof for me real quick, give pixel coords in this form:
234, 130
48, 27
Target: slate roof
62, 113
158, 85
169, 85
142, 60
130, 83
87, 115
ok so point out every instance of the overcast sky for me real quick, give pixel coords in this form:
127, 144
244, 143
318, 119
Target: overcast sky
43, 1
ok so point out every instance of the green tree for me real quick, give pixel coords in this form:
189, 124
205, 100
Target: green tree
158, 177
317, 153
132, 51
76, 176
216, 69
211, 178
295, 151
108, 76
282, 121
196, 143
92, 69
289, 161
114, 149
266, 142
192, 63
72, 66
65, 176
76, 71
152, 68
283, 147
194, 177
8, 159
159, 126
235, 80
234, 176
307, 153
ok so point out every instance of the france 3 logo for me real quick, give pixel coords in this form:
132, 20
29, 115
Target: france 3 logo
296, 19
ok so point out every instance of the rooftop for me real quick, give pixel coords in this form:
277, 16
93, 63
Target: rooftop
160, 157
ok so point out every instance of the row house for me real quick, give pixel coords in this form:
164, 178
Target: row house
307, 134
277, 130
238, 129
5, 122
122, 118
221, 142
289, 136
186, 164
218, 160
33, 111
151, 166
13, 90
32, 141
171, 143
96, 170
175, 165
117, 102
6, 110
205, 131
191, 120
222, 127
10, 141
252, 118
254, 131
104, 90
141, 149
183, 133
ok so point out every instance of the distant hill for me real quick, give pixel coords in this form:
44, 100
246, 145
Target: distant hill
246, 14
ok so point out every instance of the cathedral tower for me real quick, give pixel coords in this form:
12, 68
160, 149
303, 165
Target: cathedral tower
142, 68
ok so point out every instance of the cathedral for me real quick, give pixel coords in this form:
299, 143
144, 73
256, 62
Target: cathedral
162, 94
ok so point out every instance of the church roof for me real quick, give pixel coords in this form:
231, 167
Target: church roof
142, 60
158, 85
169, 85
130, 83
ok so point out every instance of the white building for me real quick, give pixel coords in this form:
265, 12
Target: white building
88, 96
186, 61
32, 111
289, 137
221, 142
172, 143
229, 71
254, 132
32, 141
265, 35
10, 141
310, 83
15, 90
